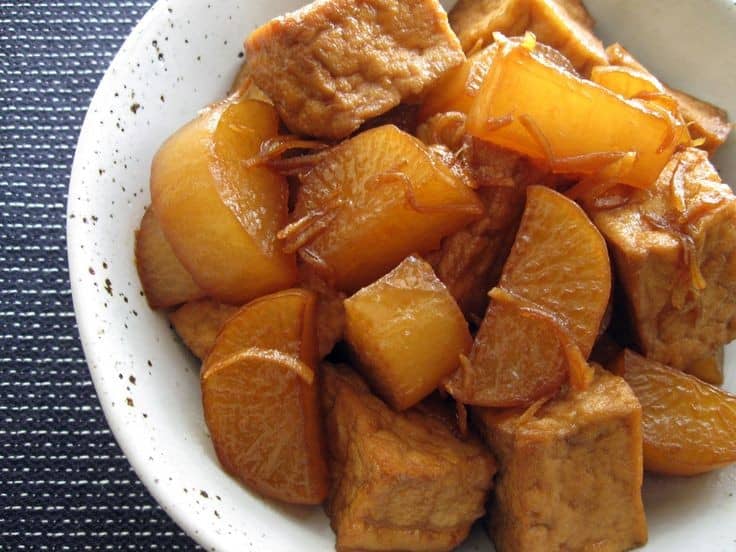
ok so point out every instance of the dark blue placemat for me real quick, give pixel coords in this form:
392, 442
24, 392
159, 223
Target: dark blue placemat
64, 484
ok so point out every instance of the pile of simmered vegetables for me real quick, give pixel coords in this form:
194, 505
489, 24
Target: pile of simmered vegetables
389, 246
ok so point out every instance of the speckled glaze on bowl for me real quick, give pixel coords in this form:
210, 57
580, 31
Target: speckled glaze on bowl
183, 56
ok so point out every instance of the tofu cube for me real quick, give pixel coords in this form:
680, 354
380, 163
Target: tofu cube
407, 332
563, 24
400, 481
334, 64
674, 247
570, 475
199, 322
705, 121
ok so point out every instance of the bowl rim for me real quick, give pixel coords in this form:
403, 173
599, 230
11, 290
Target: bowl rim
162, 494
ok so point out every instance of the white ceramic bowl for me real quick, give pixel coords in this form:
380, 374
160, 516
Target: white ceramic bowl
183, 56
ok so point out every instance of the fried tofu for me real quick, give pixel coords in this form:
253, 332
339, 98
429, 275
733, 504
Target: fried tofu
470, 261
709, 369
243, 84
570, 474
399, 481
563, 24
706, 121
330, 310
199, 322
334, 64
674, 247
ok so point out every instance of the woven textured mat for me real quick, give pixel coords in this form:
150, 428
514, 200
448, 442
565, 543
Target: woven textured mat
64, 484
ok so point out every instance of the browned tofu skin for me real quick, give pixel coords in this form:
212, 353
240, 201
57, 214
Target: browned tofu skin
330, 310
243, 84
475, 21
562, 24
674, 247
709, 369
399, 481
470, 261
334, 64
199, 322
705, 121
570, 475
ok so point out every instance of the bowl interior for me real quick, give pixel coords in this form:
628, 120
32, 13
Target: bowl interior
182, 56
